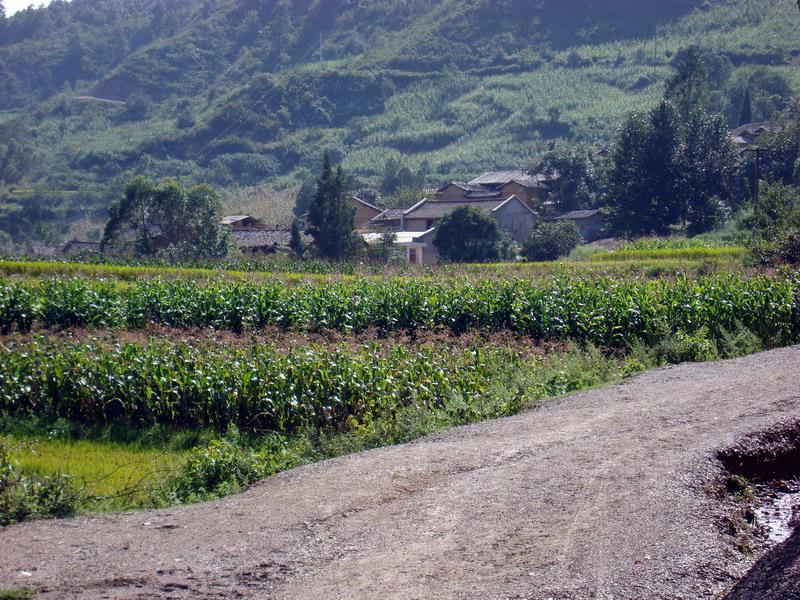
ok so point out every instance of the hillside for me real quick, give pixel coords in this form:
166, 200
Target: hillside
239, 93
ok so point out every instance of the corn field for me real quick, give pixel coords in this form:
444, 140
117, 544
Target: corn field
601, 311
256, 388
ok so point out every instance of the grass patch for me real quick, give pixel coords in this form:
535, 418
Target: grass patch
16, 594
671, 254
107, 475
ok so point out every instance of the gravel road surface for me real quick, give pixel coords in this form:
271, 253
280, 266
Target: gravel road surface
611, 493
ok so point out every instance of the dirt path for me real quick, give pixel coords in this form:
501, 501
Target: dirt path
600, 495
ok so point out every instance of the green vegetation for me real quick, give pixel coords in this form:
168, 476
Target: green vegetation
330, 217
236, 95
158, 465
167, 216
550, 241
467, 236
602, 311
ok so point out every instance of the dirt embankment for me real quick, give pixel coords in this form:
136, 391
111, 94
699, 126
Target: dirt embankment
614, 493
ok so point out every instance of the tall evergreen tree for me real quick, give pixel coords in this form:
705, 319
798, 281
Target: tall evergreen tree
746, 116
330, 216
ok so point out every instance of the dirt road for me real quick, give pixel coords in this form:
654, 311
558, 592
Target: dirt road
605, 494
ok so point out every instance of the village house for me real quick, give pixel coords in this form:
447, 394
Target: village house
532, 190
414, 227
265, 240
745, 136
365, 211
243, 222
590, 223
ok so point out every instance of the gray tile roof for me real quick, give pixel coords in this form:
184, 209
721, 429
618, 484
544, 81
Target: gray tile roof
390, 214
500, 178
441, 208
575, 214
265, 238
74, 247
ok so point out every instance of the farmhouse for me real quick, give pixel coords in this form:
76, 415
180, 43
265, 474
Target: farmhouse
79, 247
590, 223
747, 135
264, 240
532, 190
243, 222
414, 227
365, 211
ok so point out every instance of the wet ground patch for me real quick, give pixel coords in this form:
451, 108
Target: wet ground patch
763, 484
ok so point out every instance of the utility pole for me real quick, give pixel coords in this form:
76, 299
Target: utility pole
320, 46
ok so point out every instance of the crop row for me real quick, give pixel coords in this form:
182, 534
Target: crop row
255, 388
602, 311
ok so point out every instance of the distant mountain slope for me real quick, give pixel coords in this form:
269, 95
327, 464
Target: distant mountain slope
245, 92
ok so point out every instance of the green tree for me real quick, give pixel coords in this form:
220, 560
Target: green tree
166, 214
782, 162
550, 241
688, 86
296, 240
283, 34
776, 225
330, 216
769, 92
468, 235
574, 181
640, 188
707, 168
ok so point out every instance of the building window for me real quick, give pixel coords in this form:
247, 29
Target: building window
412, 256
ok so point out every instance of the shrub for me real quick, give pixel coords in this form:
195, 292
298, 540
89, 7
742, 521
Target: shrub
467, 235
218, 469
550, 241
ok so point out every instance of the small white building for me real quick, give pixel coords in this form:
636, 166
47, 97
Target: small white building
418, 245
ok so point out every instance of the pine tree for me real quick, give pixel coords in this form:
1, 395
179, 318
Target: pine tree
330, 216
746, 116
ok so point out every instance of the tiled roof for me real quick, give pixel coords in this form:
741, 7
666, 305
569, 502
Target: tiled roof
364, 202
45, 250
73, 247
390, 214
262, 238
501, 178
231, 219
467, 187
575, 214
428, 209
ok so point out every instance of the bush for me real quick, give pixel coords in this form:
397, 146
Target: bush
218, 469
684, 347
467, 235
550, 241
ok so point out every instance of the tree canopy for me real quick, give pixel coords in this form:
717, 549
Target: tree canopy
550, 241
467, 235
664, 171
688, 87
330, 216
167, 215
573, 176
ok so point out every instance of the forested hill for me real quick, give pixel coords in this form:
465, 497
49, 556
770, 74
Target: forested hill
245, 92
